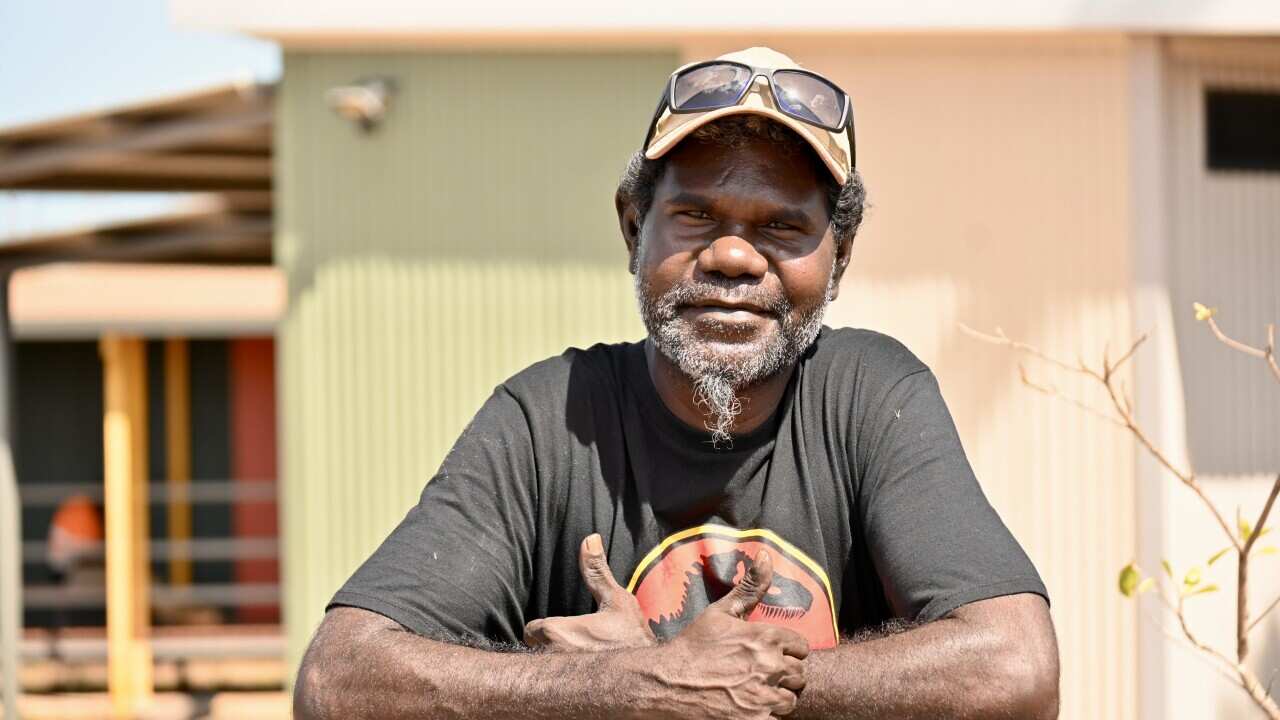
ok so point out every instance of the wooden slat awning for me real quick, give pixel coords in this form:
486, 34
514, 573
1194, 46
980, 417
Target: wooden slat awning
214, 139
217, 228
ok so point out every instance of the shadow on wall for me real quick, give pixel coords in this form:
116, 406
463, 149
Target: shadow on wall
998, 174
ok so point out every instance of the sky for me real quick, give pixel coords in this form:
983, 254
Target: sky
59, 57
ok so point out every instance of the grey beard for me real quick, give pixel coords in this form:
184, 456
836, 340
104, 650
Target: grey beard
719, 377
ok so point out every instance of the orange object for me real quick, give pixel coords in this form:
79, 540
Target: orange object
75, 532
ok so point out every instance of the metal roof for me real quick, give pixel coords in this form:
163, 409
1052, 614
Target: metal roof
213, 139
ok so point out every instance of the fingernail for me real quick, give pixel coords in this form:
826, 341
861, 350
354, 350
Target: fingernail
594, 545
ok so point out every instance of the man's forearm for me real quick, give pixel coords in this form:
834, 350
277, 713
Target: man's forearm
958, 667
361, 668
363, 665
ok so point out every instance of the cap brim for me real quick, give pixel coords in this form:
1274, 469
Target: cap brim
662, 145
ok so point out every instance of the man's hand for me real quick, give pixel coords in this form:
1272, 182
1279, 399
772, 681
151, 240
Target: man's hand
618, 623
721, 666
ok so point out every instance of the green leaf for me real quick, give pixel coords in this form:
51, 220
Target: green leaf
1146, 585
1168, 569
1129, 579
1192, 577
1269, 550
1245, 529
1218, 555
1203, 590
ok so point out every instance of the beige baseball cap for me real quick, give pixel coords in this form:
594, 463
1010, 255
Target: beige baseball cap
832, 147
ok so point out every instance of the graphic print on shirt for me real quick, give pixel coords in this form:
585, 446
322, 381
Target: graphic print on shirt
693, 568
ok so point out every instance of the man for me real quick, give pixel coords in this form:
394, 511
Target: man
789, 505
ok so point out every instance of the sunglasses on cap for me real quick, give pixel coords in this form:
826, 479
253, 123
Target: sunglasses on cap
800, 94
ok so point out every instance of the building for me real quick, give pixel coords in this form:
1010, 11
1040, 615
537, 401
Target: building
140, 376
1072, 173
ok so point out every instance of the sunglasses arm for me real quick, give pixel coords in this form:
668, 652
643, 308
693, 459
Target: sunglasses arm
657, 113
853, 148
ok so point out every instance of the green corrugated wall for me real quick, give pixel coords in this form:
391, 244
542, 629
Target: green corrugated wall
469, 235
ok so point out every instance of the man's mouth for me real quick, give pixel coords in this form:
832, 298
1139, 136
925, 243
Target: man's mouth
727, 307
734, 318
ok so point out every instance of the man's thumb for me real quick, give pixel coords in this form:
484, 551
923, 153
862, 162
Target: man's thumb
750, 590
594, 566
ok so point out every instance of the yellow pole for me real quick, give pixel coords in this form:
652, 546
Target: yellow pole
177, 421
124, 435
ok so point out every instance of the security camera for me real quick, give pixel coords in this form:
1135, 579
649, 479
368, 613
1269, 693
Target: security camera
363, 102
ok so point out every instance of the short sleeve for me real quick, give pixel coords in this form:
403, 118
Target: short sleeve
934, 539
459, 565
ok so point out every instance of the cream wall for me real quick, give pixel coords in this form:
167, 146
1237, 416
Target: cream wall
997, 170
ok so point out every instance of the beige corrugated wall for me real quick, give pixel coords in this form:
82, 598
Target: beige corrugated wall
1225, 237
471, 234
997, 173
1224, 251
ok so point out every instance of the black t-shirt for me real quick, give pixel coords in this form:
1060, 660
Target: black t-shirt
857, 485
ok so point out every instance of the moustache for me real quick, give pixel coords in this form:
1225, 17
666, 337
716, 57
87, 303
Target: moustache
688, 294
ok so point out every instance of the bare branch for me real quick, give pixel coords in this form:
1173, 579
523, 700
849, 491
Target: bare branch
1262, 517
1124, 396
1176, 610
1244, 677
1267, 353
1053, 392
1243, 625
1263, 614
1129, 353
1226, 670
1271, 350
999, 338
1234, 344
1187, 477
1121, 403
1123, 408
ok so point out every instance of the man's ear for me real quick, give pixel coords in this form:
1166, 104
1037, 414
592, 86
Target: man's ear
844, 253
629, 223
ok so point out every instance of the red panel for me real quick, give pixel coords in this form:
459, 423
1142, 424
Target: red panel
253, 450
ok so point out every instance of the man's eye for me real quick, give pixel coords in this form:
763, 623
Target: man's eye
695, 214
775, 225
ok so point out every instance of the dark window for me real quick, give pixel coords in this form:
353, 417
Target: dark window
58, 439
1243, 130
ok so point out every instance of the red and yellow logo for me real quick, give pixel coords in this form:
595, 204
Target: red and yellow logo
693, 568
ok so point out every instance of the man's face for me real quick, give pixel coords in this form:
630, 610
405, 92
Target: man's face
735, 262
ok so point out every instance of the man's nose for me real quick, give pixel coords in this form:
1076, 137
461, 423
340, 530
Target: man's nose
732, 256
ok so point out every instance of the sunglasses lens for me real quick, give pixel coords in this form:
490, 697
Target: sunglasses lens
710, 86
809, 98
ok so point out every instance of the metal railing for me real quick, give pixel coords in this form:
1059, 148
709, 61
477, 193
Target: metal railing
201, 492
197, 492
